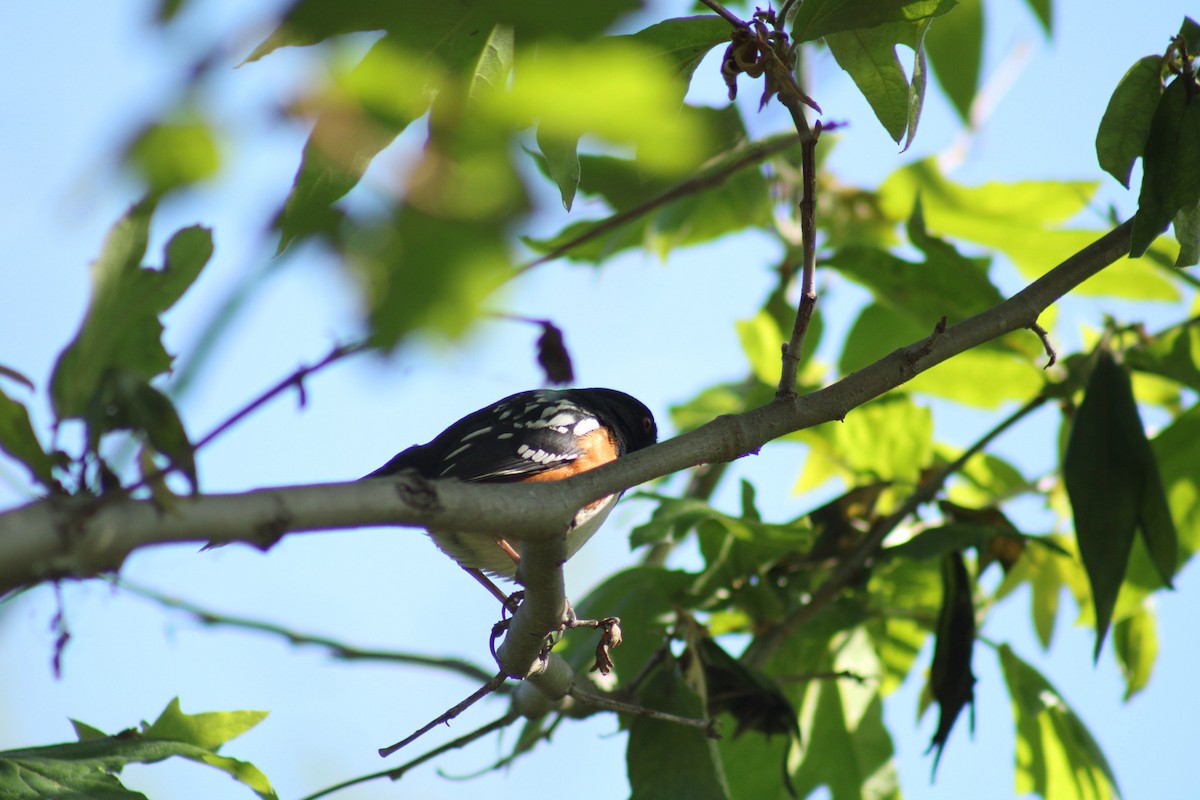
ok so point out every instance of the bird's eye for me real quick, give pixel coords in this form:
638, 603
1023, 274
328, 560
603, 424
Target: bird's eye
647, 424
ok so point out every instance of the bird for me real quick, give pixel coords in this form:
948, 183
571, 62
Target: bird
537, 435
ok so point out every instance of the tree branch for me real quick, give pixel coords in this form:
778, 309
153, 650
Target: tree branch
63, 537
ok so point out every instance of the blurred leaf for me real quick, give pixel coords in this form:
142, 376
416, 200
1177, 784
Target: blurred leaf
308, 22
430, 273
954, 43
562, 164
816, 18
846, 746
1177, 452
88, 768
725, 202
615, 89
1114, 486
716, 400
19, 441
1056, 755
1170, 164
1135, 639
389, 88
751, 765
173, 154
950, 676
750, 696
121, 330
985, 377
127, 402
666, 759
1121, 138
869, 56
553, 356
987, 479
1044, 10
682, 43
946, 284
761, 341
913, 585
889, 439
1174, 354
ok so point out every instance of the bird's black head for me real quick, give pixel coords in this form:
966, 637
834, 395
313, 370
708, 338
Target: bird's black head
628, 416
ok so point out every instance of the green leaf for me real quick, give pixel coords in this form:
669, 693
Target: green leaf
208, 730
88, 768
889, 439
666, 759
308, 22
1190, 31
121, 330
126, 402
954, 43
1044, 10
817, 18
19, 441
430, 272
1125, 127
754, 700
1113, 483
1056, 755
645, 598
761, 342
845, 743
682, 43
1187, 233
1170, 165
738, 200
1174, 354
1177, 451
618, 89
950, 678
869, 56
562, 164
173, 154
1135, 640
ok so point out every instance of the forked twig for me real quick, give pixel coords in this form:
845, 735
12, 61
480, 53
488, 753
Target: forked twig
480, 693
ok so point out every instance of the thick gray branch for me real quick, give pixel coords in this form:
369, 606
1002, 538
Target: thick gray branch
84, 537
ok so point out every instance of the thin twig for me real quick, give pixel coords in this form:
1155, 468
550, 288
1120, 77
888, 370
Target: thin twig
755, 153
841, 575
337, 649
483, 691
793, 349
1044, 335
398, 772
609, 703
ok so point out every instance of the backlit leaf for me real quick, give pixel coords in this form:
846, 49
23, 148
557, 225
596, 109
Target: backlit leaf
1135, 640
950, 677
121, 330
1056, 755
19, 441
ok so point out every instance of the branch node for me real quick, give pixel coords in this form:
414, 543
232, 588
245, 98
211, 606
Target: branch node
1044, 335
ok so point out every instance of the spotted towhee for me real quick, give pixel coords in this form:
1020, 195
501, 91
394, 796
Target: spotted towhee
541, 435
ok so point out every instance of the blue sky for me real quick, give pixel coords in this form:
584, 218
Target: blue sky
76, 89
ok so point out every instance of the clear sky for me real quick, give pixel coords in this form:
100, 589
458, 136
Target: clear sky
78, 78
